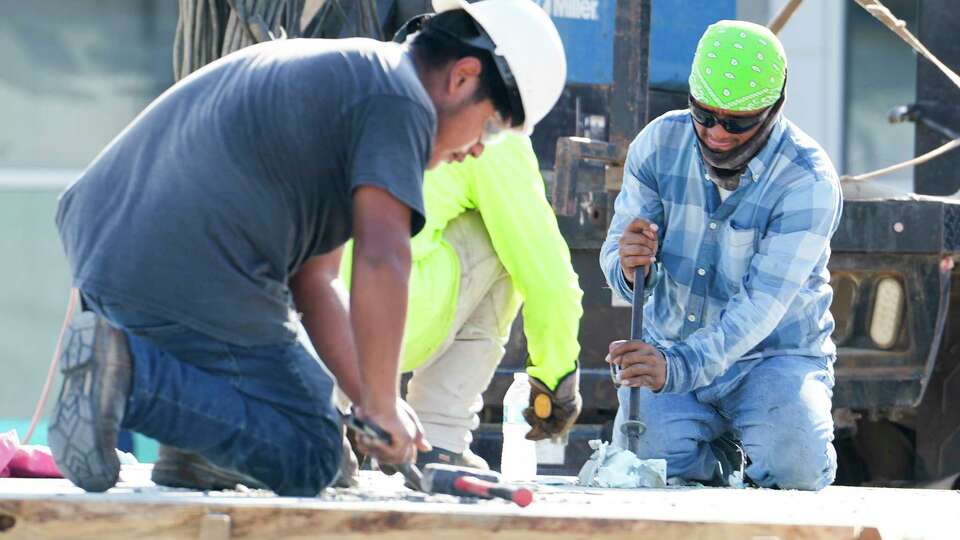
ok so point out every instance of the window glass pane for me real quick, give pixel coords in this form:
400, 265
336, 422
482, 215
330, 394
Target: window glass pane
880, 75
34, 283
74, 74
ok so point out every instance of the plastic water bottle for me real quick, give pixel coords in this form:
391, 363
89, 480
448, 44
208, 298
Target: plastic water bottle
518, 461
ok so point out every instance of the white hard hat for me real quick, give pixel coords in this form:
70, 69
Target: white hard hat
526, 38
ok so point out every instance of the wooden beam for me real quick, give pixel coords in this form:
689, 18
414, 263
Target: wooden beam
215, 527
382, 509
108, 520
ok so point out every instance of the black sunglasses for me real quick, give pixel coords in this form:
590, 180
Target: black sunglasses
732, 124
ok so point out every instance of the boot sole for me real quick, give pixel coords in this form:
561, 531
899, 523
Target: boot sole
200, 478
193, 479
73, 433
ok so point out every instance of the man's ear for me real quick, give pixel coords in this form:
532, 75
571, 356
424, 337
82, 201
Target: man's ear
464, 75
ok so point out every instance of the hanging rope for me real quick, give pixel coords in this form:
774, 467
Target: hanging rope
778, 22
937, 152
350, 18
369, 19
209, 29
899, 27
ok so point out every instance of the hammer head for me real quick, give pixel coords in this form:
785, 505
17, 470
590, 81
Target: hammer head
438, 478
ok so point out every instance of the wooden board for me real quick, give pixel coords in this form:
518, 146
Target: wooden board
383, 509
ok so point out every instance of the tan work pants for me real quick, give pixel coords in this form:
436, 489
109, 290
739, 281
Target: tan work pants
446, 390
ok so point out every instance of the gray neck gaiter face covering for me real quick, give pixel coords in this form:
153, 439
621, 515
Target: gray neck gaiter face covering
725, 168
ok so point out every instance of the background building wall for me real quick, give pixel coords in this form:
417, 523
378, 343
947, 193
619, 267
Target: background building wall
74, 74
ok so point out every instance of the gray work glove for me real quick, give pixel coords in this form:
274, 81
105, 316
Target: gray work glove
552, 413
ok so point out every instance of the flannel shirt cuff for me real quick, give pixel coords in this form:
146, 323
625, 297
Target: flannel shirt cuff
679, 361
626, 288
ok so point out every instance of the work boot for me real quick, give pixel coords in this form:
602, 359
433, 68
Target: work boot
181, 469
96, 367
446, 457
731, 460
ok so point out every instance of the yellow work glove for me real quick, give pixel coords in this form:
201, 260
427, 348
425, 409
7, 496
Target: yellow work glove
552, 413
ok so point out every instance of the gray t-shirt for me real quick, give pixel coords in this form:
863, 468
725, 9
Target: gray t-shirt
205, 205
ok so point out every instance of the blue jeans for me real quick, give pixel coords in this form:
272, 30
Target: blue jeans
779, 408
263, 411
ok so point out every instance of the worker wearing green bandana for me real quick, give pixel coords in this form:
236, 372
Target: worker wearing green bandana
738, 78
738, 66
729, 208
490, 243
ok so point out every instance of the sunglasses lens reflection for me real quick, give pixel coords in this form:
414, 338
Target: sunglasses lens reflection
734, 125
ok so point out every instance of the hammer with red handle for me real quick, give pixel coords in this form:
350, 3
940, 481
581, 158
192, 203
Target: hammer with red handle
446, 479
464, 481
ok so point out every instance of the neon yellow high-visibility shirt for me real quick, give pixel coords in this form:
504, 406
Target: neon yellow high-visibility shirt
505, 186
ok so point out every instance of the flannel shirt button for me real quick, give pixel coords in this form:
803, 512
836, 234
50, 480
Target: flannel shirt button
692, 317
713, 225
701, 272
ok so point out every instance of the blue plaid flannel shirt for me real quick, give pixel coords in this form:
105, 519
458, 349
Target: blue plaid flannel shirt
737, 280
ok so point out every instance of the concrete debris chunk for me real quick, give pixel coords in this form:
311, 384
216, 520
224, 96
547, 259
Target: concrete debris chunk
612, 467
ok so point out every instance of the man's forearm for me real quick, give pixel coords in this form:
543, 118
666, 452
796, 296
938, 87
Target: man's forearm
708, 353
551, 323
378, 307
327, 323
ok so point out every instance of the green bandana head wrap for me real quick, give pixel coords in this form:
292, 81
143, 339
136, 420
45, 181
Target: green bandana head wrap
739, 66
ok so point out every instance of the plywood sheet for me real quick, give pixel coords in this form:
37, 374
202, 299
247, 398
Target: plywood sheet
383, 509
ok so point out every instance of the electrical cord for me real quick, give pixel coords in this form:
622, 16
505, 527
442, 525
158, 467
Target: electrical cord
52, 370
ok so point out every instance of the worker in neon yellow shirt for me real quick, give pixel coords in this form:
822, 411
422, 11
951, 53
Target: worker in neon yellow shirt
490, 243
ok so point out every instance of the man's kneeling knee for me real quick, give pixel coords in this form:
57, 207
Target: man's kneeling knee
806, 465
309, 466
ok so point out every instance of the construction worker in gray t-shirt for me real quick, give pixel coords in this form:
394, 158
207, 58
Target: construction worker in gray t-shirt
214, 221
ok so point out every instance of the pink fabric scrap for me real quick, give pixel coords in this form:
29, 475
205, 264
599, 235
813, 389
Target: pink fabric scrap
25, 461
